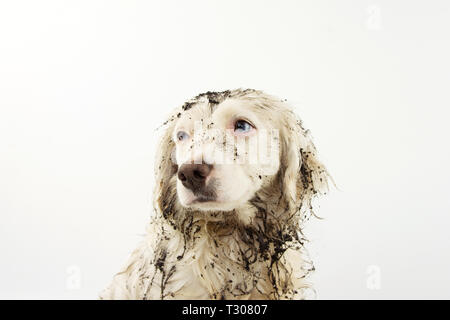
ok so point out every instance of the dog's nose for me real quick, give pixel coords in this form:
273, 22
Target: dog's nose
193, 176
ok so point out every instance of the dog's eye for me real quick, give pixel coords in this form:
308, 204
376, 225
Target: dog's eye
242, 126
181, 135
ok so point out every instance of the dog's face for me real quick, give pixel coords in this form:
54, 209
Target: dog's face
224, 154
236, 149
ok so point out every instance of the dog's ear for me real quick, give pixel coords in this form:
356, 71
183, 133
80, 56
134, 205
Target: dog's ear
165, 169
304, 176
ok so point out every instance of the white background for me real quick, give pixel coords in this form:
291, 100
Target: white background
85, 84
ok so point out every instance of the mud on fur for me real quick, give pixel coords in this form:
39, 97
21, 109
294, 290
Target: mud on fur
253, 251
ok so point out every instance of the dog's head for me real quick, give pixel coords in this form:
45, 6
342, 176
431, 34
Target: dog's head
223, 150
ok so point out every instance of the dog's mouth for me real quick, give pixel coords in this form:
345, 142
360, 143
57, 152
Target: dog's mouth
202, 202
197, 196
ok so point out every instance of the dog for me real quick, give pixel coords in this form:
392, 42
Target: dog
228, 225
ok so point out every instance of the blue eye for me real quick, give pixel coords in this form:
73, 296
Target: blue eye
181, 135
242, 126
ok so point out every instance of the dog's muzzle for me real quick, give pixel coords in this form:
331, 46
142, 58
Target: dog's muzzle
193, 176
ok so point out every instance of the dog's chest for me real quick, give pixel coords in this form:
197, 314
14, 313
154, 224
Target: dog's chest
209, 269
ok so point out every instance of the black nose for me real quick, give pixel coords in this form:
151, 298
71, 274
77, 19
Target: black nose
193, 176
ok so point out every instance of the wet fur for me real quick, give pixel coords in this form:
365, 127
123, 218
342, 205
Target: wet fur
190, 254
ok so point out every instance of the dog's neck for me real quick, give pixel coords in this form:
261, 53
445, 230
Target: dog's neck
251, 238
266, 219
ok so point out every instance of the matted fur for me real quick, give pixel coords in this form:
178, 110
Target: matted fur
190, 254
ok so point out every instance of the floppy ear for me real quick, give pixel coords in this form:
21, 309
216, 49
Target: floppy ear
304, 176
165, 169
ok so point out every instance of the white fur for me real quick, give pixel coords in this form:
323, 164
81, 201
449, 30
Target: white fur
246, 245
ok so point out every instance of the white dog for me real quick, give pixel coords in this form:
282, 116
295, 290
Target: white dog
228, 214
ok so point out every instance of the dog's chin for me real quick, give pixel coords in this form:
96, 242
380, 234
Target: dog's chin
205, 203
